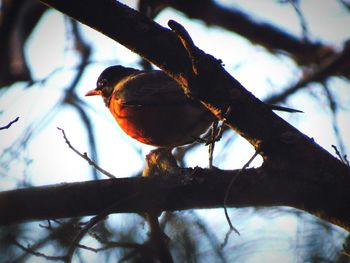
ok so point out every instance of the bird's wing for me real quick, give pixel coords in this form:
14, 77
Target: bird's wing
150, 88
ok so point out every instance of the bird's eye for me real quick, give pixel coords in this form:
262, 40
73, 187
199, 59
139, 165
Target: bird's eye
102, 83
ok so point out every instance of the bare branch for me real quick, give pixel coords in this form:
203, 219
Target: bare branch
333, 106
337, 64
9, 124
158, 238
342, 158
274, 39
227, 192
193, 188
85, 156
29, 250
305, 31
92, 222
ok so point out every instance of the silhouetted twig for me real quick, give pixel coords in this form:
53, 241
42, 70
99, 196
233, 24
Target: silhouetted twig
343, 158
85, 156
38, 254
232, 228
337, 64
303, 23
9, 124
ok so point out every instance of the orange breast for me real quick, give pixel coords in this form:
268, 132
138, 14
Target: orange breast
162, 125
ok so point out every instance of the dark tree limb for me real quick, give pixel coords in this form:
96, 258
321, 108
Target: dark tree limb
18, 19
193, 188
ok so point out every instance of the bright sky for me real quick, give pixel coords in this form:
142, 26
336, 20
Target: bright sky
51, 161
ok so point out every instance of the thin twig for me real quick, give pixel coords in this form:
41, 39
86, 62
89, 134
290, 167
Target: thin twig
303, 23
333, 106
343, 158
232, 228
215, 136
85, 156
158, 238
9, 124
93, 221
334, 65
212, 143
38, 254
90, 224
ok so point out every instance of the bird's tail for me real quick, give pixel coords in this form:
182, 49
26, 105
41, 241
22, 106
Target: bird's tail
281, 108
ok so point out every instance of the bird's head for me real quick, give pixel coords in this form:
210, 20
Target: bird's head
108, 79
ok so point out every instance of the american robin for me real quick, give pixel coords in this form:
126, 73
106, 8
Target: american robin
152, 108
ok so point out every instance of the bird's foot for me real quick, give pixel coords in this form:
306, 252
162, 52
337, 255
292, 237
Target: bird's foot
160, 161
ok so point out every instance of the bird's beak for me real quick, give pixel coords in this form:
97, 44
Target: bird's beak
93, 92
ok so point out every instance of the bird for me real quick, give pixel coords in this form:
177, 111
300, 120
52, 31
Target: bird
152, 108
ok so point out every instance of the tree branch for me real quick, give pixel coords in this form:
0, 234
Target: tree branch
18, 19
194, 188
272, 38
85, 156
338, 64
9, 124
